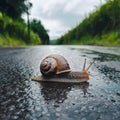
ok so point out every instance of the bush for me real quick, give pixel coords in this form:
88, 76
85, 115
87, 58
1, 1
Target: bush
17, 29
1, 16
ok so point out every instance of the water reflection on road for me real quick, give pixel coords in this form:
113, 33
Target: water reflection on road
24, 99
58, 92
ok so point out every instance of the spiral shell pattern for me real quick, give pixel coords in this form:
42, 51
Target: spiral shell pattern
48, 66
54, 64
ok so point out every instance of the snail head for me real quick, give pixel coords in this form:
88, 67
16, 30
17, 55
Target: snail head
86, 70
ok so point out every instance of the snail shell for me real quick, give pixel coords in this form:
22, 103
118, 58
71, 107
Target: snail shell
54, 64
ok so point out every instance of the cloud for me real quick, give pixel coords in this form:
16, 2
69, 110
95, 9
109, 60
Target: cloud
61, 15
55, 27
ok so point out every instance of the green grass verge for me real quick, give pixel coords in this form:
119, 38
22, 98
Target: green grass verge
15, 33
6, 41
110, 39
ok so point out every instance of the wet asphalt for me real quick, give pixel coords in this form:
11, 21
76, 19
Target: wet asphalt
23, 99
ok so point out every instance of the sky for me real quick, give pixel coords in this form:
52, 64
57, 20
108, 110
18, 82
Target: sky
59, 16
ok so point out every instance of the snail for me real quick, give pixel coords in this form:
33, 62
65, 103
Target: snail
55, 68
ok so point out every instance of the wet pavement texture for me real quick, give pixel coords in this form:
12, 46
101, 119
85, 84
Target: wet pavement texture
23, 99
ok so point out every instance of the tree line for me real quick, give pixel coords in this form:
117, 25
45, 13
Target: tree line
104, 20
12, 23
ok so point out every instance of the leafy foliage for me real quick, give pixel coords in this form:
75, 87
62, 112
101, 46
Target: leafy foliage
13, 26
14, 8
38, 28
17, 29
103, 21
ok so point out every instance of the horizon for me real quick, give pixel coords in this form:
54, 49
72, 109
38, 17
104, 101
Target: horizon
59, 20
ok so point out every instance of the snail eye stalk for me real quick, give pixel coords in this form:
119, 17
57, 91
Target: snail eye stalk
84, 65
90, 65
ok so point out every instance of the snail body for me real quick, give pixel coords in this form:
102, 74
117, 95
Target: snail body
55, 68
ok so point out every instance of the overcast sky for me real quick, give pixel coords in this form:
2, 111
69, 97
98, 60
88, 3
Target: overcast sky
59, 16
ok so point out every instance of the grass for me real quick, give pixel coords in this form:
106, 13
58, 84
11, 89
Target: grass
15, 33
6, 41
110, 39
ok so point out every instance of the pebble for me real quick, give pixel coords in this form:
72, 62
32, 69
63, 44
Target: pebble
118, 93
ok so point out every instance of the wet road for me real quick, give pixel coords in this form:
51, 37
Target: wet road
23, 99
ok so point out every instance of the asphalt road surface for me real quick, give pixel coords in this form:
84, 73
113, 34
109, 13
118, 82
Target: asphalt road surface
23, 99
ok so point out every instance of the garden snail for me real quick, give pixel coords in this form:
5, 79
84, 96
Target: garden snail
55, 68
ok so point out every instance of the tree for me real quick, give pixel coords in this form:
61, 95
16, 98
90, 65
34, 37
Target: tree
38, 28
14, 8
29, 5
